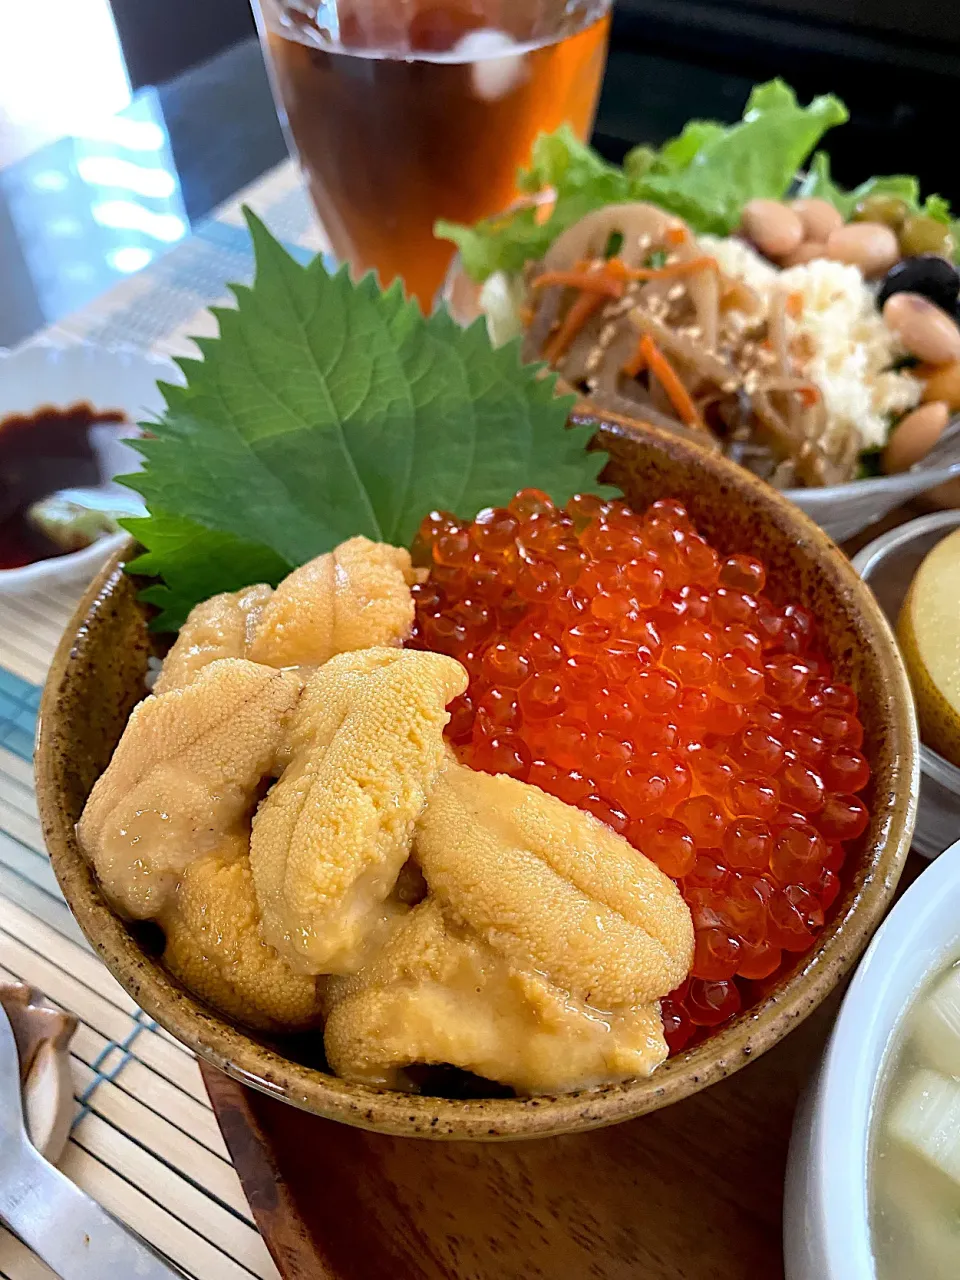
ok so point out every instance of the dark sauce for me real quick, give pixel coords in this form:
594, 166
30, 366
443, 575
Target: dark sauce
40, 453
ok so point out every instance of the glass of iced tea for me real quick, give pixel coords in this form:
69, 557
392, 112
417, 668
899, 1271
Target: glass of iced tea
405, 111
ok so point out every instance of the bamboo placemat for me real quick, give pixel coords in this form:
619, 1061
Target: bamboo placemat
145, 1141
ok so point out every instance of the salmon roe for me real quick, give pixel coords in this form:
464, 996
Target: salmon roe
620, 663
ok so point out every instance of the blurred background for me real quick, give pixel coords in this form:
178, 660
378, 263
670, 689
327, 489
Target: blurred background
125, 122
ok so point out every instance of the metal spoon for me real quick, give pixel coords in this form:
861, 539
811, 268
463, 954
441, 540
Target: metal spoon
52, 1216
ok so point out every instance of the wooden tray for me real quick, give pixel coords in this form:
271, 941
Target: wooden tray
694, 1192
689, 1193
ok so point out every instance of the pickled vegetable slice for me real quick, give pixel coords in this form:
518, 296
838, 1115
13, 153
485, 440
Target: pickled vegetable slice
937, 1025
929, 632
926, 1118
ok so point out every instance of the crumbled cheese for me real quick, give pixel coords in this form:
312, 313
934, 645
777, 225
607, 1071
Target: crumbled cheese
740, 260
850, 349
838, 337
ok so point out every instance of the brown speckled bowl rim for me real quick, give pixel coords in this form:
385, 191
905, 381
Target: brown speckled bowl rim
250, 1062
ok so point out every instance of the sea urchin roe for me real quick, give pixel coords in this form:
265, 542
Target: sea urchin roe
621, 663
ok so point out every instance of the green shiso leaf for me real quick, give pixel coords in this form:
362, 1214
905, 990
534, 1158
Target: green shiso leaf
327, 409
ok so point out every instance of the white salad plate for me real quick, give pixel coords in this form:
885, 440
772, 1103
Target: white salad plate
843, 510
826, 1224
124, 379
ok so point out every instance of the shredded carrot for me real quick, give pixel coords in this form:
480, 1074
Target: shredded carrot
615, 267
794, 305
636, 362
544, 207
526, 315
809, 396
580, 312
608, 277
667, 376
676, 235
688, 268
600, 281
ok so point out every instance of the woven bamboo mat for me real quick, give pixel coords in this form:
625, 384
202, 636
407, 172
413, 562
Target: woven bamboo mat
145, 1141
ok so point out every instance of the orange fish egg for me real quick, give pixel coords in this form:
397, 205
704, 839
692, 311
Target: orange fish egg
619, 662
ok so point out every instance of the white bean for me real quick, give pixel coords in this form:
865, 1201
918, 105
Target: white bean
773, 228
914, 436
819, 218
868, 245
925, 331
804, 253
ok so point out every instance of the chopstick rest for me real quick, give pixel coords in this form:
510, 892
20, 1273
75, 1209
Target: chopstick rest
70, 1232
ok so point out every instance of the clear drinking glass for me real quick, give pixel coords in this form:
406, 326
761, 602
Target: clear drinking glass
405, 111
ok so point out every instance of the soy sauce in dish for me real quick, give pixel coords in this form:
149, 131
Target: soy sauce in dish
40, 453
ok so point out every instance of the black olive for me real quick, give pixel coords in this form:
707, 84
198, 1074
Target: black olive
926, 274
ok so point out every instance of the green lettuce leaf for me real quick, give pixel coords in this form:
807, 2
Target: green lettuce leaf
757, 158
936, 207
498, 243
705, 175
639, 161
680, 152
327, 409
562, 161
818, 184
583, 182
902, 186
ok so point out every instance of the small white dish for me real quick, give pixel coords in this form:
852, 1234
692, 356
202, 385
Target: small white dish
826, 1218
888, 564
108, 378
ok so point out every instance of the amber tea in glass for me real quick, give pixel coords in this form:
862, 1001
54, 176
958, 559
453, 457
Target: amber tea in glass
405, 111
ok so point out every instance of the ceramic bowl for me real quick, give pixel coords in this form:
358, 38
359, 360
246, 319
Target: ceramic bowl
98, 675
888, 564
826, 1204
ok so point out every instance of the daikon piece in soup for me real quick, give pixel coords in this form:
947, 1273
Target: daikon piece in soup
915, 1157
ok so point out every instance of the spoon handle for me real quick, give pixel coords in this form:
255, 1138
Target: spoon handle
61, 1224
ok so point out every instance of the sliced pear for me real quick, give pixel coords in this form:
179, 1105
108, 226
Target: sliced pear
929, 633
926, 1118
